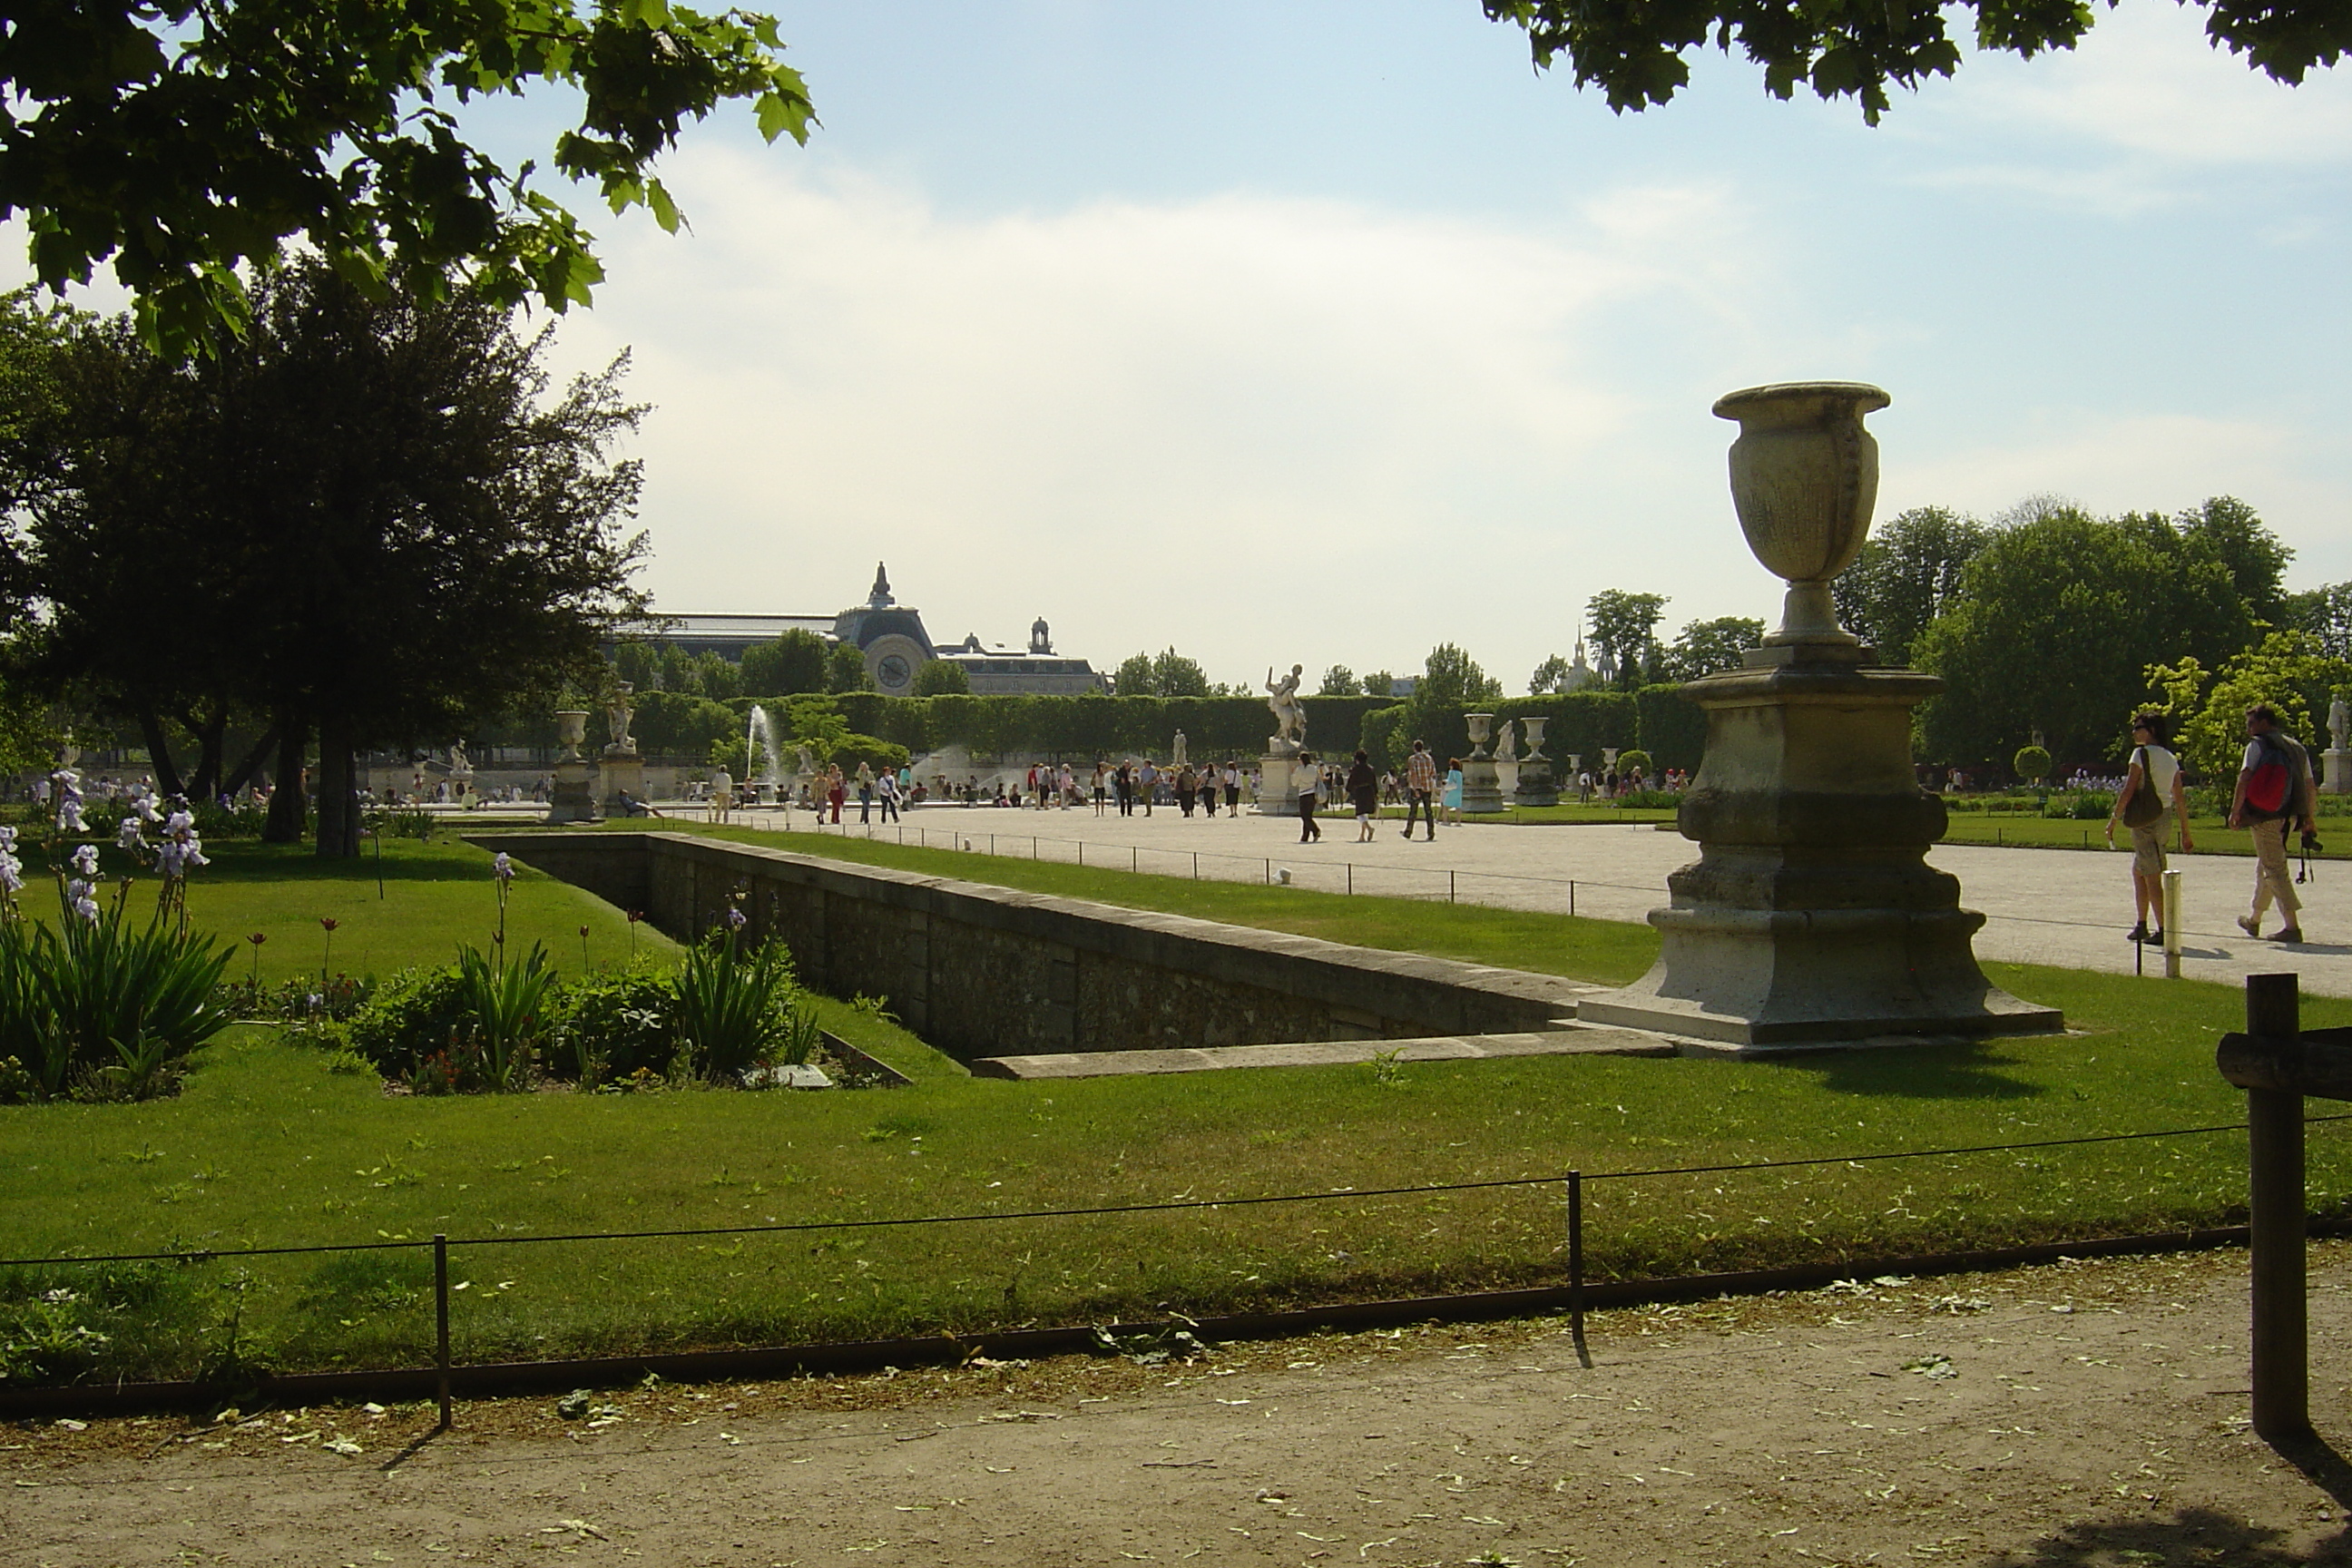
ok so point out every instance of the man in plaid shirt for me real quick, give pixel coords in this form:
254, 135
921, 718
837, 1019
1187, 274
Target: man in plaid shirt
1420, 789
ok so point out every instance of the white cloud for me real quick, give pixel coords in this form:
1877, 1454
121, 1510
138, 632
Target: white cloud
1254, 426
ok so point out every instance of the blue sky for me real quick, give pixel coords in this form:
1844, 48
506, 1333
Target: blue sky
1318, 332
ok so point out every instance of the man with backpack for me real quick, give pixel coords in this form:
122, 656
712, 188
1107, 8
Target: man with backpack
2275, 789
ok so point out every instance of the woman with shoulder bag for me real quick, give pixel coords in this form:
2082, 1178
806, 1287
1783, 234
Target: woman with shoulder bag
2151, 796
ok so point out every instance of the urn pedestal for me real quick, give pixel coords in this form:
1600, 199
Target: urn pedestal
2337, 763
1482, 786
572, 796
1812, 917
1536, 786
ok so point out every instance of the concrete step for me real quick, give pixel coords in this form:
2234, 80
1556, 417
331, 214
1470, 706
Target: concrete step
1577, 1041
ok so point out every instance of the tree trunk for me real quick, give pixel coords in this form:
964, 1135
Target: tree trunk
212, 735
252, 763
159, 750
339, 794
288, 812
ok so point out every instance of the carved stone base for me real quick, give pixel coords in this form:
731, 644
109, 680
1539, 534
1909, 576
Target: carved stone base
1482, 787
1537, 786
622, 770
1812, 917
572, 798
2338, 762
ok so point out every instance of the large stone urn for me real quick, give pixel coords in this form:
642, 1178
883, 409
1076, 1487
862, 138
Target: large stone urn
572, 797
1811, 917
1537, 786
1482, 786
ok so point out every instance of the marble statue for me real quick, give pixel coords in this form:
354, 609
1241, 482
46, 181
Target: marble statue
1176, 754
1506, 749
459, 764
1289, 718
2339, 720
617, 716
807, 762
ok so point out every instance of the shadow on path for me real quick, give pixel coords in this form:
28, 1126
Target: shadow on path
2190, 1535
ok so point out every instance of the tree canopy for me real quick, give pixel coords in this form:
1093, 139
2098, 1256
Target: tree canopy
180, 141
1626, 625
367, 519
1907, 572
1637, 55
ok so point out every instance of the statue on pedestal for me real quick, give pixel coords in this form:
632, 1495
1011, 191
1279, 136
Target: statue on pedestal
1507, 750
1289, 718
2339, 720
617, 716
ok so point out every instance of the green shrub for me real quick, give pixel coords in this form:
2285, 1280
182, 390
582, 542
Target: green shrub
614, 1025
416, 1013
2032, 762
2080, 806
1634, 761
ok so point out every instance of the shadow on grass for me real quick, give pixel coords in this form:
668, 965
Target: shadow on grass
1972, 1071
2187, 1535
433, 861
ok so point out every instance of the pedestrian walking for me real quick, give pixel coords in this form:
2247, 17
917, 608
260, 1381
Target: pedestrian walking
2274, 791
1453, 796
1420, 789
1306, 775
2151, 800
1150, 784
865, 792
1364, 794
886, 790
1187, 788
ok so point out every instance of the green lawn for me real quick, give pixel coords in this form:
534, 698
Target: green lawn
265, 1146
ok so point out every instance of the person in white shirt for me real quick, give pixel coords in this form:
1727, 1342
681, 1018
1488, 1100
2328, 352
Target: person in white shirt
2155, 777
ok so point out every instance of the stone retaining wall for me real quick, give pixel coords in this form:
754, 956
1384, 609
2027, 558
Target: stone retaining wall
981, 971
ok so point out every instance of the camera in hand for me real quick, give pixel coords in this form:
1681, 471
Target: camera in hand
2312, 845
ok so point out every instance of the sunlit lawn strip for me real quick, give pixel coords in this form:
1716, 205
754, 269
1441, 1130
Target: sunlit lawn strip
267, 1147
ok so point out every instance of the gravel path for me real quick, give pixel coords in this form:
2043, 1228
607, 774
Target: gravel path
2082, 1414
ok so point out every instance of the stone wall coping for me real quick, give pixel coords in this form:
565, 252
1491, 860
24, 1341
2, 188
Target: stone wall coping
1266, 958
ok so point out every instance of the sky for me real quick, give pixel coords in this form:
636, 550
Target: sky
1298, 331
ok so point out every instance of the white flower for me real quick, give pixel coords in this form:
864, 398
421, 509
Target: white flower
87, 907
734, 918
76, 888
194, 849
7, 839
12, 873
69, 817
127, 835
171, 859
179, 822
502, 867
147, 812
85, 860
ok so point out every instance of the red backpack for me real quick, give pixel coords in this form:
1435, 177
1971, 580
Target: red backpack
2271, 784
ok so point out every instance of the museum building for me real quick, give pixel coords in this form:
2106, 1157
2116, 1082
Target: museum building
892, 637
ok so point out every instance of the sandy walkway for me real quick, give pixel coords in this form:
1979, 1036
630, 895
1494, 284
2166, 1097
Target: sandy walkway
2084, 1414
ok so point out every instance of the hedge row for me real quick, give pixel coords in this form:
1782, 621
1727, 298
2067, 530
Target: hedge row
1658, 720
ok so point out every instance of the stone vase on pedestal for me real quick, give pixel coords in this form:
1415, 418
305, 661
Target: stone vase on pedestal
1482, 789
1812, 917
572, 797
1537, 786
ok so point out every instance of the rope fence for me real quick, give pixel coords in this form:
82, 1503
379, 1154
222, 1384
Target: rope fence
1572, 1182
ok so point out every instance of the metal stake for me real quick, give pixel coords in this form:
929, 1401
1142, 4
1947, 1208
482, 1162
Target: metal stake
441, 1322
2172, 925
1576, 1267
